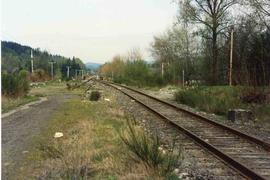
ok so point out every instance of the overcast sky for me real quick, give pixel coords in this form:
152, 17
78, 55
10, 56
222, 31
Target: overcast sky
93, 30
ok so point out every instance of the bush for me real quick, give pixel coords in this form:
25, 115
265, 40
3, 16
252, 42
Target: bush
15, 85
39, 76
95, 95
147, 149
211, 99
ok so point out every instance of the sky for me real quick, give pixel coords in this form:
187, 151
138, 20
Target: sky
93, 30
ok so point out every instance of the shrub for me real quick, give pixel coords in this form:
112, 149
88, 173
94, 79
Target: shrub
39, 76
94, 96
15, 85
147, 149
210, 99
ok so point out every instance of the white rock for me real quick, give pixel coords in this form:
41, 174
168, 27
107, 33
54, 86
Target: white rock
106, 99
176, 170
183, 175
58, 135
24, 152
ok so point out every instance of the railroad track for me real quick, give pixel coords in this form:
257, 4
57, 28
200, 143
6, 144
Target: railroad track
244, 153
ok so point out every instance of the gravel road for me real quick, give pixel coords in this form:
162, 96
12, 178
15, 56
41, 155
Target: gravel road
19, 128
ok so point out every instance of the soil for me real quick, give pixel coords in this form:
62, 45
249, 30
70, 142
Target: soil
19, 129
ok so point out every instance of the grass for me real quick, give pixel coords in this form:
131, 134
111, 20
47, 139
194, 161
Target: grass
51, 88
11, 103
91, 147
148, 149
219, 99
210, 99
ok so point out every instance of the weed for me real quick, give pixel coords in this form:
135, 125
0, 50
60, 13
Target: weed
94, 96
147, 149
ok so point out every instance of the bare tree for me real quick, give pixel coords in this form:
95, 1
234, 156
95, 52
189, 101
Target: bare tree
134, 54
261, 9
212, 14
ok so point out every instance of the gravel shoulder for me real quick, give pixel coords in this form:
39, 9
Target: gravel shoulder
259, 130
20, 127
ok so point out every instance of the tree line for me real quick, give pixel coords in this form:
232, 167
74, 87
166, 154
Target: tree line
209, 41
16, 67
131, 69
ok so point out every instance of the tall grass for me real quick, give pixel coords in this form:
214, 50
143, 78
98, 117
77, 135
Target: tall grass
147, 149
73, 165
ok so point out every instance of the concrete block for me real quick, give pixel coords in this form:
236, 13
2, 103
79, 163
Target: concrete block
241, 115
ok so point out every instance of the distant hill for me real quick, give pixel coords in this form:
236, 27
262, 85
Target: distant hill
16, 57
92, 66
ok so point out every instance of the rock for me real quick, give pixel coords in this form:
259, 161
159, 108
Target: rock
106, 99
24, 152
183, 175
58, 135
176, 171
242, 115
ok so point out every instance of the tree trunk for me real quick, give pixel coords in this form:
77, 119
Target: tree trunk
214, 58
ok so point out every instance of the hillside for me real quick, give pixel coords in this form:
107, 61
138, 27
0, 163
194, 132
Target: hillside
16, 57
92, 66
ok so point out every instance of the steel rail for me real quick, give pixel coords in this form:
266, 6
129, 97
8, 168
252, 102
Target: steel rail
231, 162
251, 138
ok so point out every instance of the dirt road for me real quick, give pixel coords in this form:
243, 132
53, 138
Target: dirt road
19, 128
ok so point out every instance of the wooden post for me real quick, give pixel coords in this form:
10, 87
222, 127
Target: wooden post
183, 77
231, 58
162, 70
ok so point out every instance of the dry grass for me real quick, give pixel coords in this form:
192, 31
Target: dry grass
11, 103
52, 89
91, 147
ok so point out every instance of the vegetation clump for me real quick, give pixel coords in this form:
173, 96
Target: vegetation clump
148, 149
219, 99
216, 100
16, 84
95, 96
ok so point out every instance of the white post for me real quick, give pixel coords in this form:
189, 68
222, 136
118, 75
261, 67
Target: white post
52, 68
32, 62
231, 58
82, 74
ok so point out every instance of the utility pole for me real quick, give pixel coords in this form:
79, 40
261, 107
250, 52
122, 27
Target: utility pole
183, 77
52, 68
68, 71
231, 58
32, 62
162, 70
76, 73
82, 74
